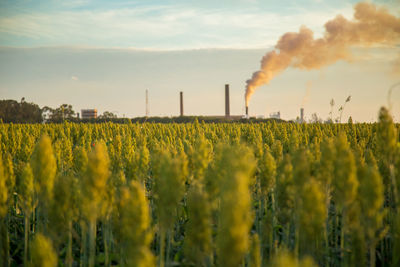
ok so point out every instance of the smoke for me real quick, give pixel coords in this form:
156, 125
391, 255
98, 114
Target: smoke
307, 94
371, 25
396, 66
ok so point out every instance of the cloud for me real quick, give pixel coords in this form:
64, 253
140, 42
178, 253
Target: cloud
160, 27
396, 66
116, 79
74, 78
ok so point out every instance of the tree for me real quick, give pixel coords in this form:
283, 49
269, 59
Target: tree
315, 118
20, 112
108, 115
61, 113
47, 112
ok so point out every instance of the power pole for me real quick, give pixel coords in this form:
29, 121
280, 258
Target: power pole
147, 103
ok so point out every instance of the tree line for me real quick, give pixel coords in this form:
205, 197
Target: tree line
12, 111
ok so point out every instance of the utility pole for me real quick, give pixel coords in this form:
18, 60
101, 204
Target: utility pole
147, 103
227, 104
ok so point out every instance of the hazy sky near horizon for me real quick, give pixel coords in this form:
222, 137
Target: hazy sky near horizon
105, 54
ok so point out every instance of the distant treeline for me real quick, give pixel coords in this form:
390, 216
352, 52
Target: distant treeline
12, 111
183, 119
25, 112
20, 112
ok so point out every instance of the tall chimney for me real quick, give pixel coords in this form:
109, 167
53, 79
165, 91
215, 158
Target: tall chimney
302, 115
181, 98
227, 111
247, 111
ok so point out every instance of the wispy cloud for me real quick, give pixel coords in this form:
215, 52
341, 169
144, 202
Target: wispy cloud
74, 78
162, 27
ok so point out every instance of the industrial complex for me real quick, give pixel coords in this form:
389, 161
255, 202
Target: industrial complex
92, 113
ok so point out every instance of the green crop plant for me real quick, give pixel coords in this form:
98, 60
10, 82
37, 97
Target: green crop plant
4, 245
44, 168
94, 190
235, 216
285, 198
169, 186
285, 259
200, 194
42, 252
255, 257
198, 239
134, 226
27, 200
345, 187
312, 216
371, 200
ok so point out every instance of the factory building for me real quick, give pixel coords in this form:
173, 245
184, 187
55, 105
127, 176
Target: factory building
275, 115
89, 113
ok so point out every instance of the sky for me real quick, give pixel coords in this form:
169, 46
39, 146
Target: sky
105, 54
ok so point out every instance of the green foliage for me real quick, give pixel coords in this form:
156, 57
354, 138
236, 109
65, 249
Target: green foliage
284, 259
19, 112
134, 226
44, 169
235, 216
62, 209
26, 193
387, 136
169, 187
345, 183
3, 191
371, 202
42, 252
94, 182
267, 172
199, 194
80, 160
255, 257
284, 191
198, 232
199, 157
312, 216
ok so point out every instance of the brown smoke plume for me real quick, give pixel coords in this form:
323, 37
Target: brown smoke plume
307, 94
371, 25
396, 66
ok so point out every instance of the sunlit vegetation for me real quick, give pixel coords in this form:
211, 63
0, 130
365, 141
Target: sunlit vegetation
197, 194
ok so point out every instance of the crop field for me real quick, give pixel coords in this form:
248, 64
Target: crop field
197, 194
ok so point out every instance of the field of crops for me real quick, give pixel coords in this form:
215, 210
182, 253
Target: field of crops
196, 194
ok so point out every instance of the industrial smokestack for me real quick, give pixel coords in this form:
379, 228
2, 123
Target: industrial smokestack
302, 115
247, 111
181, 100
227, 110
